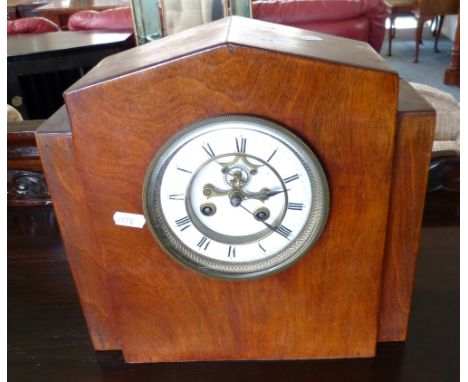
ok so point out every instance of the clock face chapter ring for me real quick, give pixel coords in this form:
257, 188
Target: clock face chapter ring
235, 197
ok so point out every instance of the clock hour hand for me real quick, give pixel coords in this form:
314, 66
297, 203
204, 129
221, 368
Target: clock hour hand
210, 190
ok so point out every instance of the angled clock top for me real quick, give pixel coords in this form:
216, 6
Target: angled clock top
238, 31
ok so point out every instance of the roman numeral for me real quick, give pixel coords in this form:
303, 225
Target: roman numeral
283, 231
176, 196
241, 145
295, 206
272, 155
204, 241
291, 178
260, 246
183, 223
184, 170
208, 150
232, 251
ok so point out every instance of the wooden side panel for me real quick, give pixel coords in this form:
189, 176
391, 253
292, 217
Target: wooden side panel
77, 228
413, 149
327, 304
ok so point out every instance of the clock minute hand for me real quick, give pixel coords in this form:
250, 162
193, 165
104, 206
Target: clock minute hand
263, 194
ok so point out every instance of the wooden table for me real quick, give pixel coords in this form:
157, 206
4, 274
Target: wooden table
48, 339
59, 11
41, 66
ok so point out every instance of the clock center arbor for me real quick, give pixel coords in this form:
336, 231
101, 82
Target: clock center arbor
267, 166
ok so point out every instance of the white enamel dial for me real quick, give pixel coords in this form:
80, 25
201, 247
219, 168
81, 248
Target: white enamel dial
236, 197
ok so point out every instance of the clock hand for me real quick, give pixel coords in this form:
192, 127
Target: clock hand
235, 194
274, 229
209, 191
240, 194
263, 194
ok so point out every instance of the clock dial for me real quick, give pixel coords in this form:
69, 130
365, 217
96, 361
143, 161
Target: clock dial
236, 197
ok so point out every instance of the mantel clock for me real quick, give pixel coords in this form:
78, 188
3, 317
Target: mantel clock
241, 190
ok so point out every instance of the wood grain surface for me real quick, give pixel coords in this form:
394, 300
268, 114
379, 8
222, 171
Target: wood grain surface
55, 143
413, 149
238, 31
326, 306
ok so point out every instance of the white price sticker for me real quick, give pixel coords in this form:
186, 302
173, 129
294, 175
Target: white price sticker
129, 220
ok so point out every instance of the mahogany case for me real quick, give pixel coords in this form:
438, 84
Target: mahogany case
353, 288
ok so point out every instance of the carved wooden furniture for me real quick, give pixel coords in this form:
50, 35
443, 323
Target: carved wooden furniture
425, 10
26, 183
354, 286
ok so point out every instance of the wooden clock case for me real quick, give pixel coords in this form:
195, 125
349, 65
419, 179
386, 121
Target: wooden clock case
371, 132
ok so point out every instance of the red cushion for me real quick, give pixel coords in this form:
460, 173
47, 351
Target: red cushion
356, 29
300, 11
346, 18
116, 19
31, 25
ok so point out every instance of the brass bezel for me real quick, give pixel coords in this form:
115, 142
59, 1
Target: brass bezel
173, 246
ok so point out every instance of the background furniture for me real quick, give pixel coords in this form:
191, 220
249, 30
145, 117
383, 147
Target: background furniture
59, 11
425, 10
41, 66
26, 183
31, 25
443, 197
117, 19
452, 73
397, 8
362, 20
444, 172
359, 20
13, 115
447, 133
23, 8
